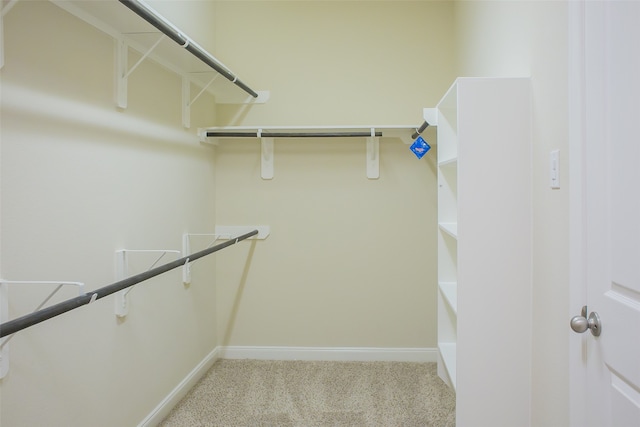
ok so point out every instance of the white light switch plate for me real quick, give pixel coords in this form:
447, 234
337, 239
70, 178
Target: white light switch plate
554, 169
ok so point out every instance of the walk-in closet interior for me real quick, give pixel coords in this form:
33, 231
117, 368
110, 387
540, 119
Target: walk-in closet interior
275, 140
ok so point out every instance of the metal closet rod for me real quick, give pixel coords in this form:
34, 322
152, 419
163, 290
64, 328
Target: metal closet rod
216, 134
420, 130
13, 326
174, 34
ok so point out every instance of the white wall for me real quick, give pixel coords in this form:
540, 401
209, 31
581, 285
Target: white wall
529, 38
351, 262
80, 180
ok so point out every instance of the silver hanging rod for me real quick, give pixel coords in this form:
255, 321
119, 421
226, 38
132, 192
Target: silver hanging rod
420, 130
222, 134
13, 326
155, 19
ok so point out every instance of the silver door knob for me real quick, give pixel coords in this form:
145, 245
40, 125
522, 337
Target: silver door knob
580, 324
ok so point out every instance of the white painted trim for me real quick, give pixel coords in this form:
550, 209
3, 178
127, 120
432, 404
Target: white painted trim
577, 279
161, 411
342, 354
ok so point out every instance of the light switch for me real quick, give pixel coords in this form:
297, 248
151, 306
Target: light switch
555, 169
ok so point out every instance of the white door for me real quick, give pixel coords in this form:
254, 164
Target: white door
610, 222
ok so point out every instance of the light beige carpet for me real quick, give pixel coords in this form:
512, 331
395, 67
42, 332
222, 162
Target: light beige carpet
306, 394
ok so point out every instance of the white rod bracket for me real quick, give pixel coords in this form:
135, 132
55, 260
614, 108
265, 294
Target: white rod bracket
4, 311
205, 87
186, 102
431, 116
121, 300
121, 61
266, 158
4, 316
144, 56
373, 157
186, 251
122, 272
202, 134
226, 232
122, 68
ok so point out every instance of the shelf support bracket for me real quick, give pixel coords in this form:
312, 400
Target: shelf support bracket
122, 70
122, 51
122, 272
4, 316
187, 102
222, 232
186, 250
266, 157
373, 156
4, 311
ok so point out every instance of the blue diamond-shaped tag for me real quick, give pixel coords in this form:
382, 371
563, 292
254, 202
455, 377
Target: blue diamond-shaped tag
420, 147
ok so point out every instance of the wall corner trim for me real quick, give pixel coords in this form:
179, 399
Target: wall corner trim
161, 411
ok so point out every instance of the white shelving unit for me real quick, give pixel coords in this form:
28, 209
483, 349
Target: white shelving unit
484, 249
447, 236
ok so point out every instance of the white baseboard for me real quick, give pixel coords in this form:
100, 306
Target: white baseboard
342, 354
166, 405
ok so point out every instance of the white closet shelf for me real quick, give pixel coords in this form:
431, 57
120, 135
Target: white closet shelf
132, 31
451, 228
450, 292
451, 162
448, 355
